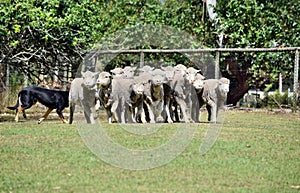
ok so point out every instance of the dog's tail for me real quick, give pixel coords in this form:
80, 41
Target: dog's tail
14, 107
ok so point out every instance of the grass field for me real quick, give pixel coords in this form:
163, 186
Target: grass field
255, 152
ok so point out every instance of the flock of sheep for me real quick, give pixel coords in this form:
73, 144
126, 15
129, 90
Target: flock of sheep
148, 95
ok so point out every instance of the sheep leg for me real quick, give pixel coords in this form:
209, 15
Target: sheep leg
169, 119
182, 106
92, 115
72, 110
143, 116
159, 109
114, 107
88, 115
133, 114
175, 112
109, 116
167, 109
24, 114
123, 110
212, 112
195, 112
151, 114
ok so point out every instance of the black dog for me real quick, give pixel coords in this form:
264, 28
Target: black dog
53, 99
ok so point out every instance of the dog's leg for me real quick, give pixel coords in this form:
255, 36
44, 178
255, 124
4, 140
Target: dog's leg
45, 115
18, 111
63, 120
61, 116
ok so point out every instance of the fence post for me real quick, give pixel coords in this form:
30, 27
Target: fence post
217, 65
25, 83
66, 77
296, 83
7, 78
142, 56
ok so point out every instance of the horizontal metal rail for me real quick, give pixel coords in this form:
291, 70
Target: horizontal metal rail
206, 50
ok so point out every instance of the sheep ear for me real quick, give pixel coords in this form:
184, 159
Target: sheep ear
199, 72
134, 68
130, 86
82, 73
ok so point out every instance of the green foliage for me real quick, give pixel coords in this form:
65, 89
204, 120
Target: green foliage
277, 100
262, 24
36, 36
253, 23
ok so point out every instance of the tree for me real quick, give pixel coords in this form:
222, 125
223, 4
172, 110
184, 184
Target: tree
46, 36
263, 24
38, 36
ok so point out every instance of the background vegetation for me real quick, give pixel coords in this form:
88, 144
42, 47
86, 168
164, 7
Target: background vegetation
46, 36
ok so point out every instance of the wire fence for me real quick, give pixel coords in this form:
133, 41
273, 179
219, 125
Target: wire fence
218, 52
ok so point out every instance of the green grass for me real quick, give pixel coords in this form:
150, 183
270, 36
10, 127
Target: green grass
255, 152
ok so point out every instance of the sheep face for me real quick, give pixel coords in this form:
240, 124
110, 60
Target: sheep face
104, 79
157, 80
180, 69
117, 72
198, 85
146, 69
169, 72
158, 77
192, 74
138, 88
89, 79
129, 71
224, 86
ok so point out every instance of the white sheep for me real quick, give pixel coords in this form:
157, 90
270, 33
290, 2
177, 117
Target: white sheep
145, 69
177, 83
213, 93
136, 91
83, 92
117, 72
104, 91
192, 75
154, 93
121, 91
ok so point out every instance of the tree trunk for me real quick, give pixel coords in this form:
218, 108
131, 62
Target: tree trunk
237, 74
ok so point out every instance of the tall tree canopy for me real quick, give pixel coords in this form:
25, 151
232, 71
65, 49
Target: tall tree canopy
39, 36
262, 24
